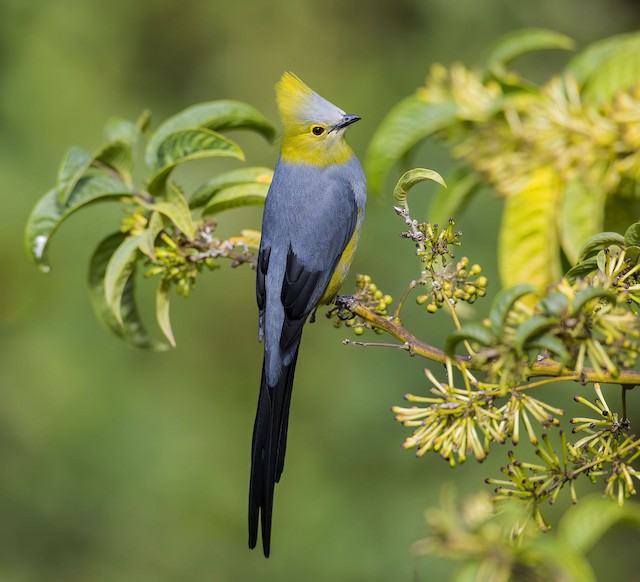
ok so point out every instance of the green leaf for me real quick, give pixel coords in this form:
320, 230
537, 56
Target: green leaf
407, 124
504, 302
520, 42
632, 235
531, 329
252, 194
74, 165
119, 270
232, 178
162, 311
131, 328
594, 57
117, 153
551, 344
410, 179
528, 242
620, 211
48, 213
146, 244
616, 73
582, 269
187, 145
176, 209
581, 216
463, 184
215, 115
598, 242
583, 297
584, 524
474, 332
555, 303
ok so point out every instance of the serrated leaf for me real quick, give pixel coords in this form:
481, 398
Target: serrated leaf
119, 270
146, 244
584, 524
528, 242
632, 235
75, 163
232, 178
618, 72
185, 146
409, 179
555, 303
520, 42
463, 184
48, 214
592, 58
131, 328
551, 344
176, 209
251, 194
474, 332
582, 269
504, 302
162, 311
405, 126
531, 329
583, 297
117, 152
598, 242
215, 115
581, 216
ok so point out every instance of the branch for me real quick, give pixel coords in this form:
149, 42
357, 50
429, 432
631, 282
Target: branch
546, 367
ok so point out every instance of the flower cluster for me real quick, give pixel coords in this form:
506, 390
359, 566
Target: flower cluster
368, 295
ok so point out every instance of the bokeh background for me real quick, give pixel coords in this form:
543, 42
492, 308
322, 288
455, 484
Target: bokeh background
117, 464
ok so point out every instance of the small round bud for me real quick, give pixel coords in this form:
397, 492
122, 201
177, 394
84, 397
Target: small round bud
462, 273
388, 299
421, 299
373, 287
358, 330
482, 281
378, 294
470, 289
475, 270
432, 308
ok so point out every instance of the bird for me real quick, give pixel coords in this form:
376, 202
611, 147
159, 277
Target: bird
311, 224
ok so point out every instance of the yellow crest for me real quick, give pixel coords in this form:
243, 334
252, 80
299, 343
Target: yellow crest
298, 104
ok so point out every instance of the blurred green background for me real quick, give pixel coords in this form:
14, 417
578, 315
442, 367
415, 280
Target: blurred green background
117, 464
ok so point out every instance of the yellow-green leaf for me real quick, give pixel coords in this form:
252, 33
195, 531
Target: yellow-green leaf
581, 215
74, 165
48, 214
409, 179
216, 115
176, 209
250, 194
528, 240
407, 124
128, 326
520, 42
162, 311
118, 271
232, 178
187, 145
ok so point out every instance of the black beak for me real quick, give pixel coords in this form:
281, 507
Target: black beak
346, 121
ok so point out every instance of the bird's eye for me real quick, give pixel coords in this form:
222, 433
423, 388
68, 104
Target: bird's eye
317, 130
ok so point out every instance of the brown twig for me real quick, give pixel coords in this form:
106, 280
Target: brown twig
545, 367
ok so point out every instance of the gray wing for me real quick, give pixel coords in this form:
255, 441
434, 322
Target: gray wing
306, 227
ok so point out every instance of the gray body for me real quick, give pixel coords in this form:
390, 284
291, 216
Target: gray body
311, 214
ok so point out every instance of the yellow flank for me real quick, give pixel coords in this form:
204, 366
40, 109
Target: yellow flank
342, 269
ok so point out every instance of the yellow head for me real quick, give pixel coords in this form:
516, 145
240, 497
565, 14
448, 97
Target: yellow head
313, 128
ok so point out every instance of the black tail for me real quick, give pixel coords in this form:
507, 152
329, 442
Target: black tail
267, 451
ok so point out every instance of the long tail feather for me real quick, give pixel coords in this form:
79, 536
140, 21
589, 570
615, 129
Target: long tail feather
268, 451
